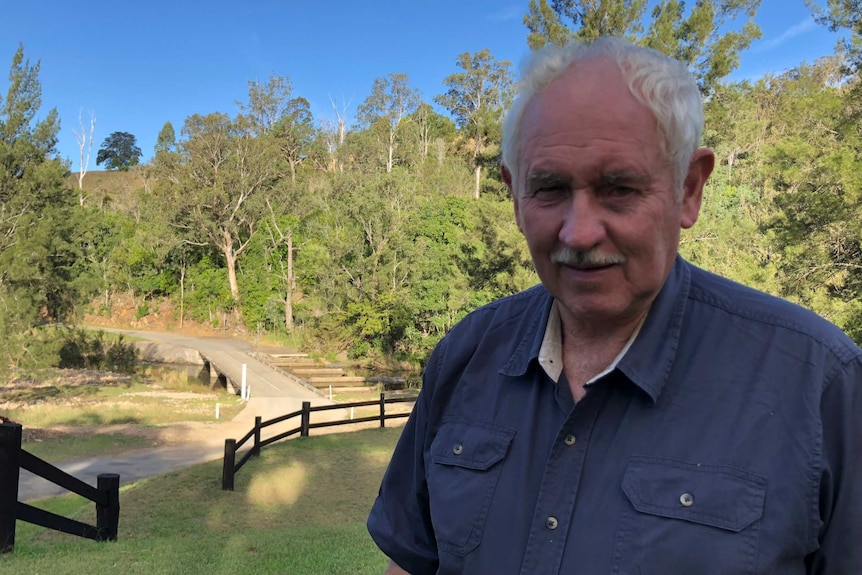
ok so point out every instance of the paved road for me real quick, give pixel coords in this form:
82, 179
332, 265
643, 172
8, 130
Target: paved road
272, 394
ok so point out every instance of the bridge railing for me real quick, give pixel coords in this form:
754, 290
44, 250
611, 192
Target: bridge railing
106, 494
231, 465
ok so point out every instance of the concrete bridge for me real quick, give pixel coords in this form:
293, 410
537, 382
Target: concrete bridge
274, 391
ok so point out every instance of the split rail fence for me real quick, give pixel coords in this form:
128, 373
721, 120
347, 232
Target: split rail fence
231, 465
106, 494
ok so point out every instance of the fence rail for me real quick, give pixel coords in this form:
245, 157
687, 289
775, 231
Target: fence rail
106, 494
231, 446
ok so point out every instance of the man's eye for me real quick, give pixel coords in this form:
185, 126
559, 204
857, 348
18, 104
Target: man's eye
548, 191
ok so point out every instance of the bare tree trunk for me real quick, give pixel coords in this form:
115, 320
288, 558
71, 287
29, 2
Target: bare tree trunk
291, 285
230, 259
341, 131
478, 177
182, 293
85, 145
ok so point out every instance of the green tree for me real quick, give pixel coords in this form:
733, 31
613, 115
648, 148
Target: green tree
811, 175
119, 151
166, 141
843, 15
477, 98
703, 36
544, 25
29, 172
38, 254
295, 135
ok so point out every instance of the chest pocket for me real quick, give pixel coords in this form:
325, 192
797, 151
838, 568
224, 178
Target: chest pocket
688, 518
466, 459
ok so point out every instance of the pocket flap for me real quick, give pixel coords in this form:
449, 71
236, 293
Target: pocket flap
715, 495
470, 444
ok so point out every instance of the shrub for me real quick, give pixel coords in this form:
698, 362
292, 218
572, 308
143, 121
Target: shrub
83, 350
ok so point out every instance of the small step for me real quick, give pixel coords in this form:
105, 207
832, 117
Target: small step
344, 381
295, 362
322, 371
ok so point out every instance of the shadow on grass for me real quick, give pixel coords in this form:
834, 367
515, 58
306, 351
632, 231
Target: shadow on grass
93, 418
31, 395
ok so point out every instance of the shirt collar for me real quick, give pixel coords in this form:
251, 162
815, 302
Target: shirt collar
648, 358
551, 351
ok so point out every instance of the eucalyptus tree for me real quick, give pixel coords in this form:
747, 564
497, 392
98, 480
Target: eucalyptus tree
391, 100
295, 135
844, 16
216, 193
267, 102
430, 133
705, 36
476, 98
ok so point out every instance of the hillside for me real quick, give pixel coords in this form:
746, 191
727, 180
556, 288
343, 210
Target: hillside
111, 185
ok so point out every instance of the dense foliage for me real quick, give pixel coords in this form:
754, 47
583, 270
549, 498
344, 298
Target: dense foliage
375, 238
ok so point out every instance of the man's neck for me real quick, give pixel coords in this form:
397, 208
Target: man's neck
588, 349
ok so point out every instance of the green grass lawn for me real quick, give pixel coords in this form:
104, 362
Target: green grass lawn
299, 509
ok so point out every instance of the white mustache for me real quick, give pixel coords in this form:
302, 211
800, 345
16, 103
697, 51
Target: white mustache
591, 258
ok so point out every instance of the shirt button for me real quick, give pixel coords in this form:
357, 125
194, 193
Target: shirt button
551, 522
457, 449
686, 499
570, 440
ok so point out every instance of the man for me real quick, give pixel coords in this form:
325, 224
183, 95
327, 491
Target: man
633, 414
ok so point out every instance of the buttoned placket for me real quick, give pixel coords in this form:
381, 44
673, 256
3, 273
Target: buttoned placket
558, 493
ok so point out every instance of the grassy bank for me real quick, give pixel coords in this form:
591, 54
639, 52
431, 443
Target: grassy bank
64, 412
299, 509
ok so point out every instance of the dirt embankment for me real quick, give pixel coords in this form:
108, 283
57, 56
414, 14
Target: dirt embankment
126, 312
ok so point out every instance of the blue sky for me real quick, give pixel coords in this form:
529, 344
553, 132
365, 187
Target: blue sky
139, 64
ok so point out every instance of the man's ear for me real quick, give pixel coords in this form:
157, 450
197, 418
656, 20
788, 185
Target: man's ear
507, 178
699, 168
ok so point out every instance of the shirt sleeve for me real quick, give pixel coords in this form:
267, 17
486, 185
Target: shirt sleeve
840, 552
400, 520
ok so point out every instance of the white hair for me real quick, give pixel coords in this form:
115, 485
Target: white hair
662, 84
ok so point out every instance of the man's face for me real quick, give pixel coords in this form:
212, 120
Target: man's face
595, 196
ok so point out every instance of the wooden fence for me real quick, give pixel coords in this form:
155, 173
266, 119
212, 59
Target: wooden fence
106, 494
231, 466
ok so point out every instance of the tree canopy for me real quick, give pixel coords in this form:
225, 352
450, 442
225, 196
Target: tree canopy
119, 151
707, 36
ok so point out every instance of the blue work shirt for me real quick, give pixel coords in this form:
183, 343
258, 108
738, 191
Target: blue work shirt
727, 440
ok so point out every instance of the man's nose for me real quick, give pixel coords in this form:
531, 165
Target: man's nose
584, 225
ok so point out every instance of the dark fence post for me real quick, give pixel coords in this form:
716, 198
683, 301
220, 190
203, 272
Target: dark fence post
382, 409
10, 455
108, 516
256, 449
229, 467
306, 419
